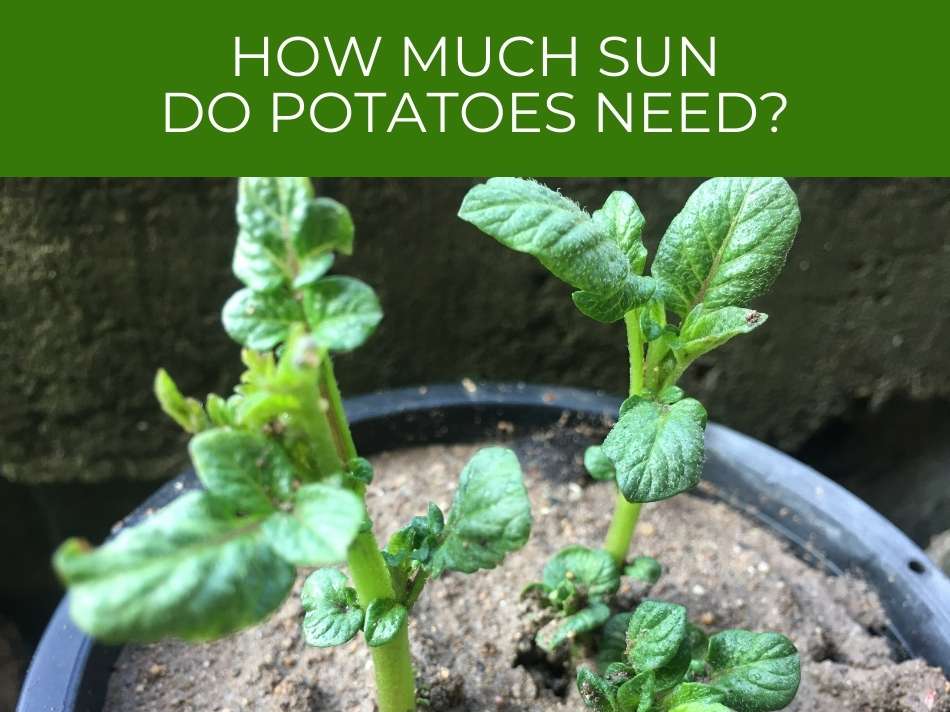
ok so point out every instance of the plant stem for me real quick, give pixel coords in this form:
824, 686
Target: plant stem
392, 662
635, 348
418, 583
626, 514
620, 534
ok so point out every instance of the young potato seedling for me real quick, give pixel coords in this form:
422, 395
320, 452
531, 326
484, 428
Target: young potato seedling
724, 249
283, 485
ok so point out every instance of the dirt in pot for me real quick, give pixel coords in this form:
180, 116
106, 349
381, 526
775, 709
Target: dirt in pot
472, 636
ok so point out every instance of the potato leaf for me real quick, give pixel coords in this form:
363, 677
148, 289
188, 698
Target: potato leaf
529, 217
701, 706
613, 641
609, 307
333, 615
595, 255
728, 244
621, 219
654, 634
416, 541
693, 692
645, 569
583, 621
699, 647
327, 226
187, 412
657, 449
313, 268
360, 469
270, 212
653, 320
384, 618
244, 469
191, 570
757, 672
596, 692
490, 515
598, 464
636, 695
705, 329
675, 671
319, 530
342, 312
592, 571
260, 320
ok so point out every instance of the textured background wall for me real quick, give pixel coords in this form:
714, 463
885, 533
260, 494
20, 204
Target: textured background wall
104, 281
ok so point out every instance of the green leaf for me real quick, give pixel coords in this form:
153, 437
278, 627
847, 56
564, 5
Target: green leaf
609, 307
676, 670
592, 571
342, 312
187, 412
657, 450
613, 642
270, 212
244, 469
670, 395
595, 691
220, 411
693, 692
257, 409
327, 226
333, 615
584, 621
191, 570
598, 464
384, 618
699, 645
490, 515
644, 568
653, 320
636, 695
417, 540
618, 673
360, 469
324, 522
705, 329
655, 633
312, 268
728, 244
757, 672
621, 219
260, 321
701, 706
529, 217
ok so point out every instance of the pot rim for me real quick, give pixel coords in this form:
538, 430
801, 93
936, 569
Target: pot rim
825, 522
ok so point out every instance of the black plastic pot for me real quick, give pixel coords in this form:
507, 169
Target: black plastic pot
829, 526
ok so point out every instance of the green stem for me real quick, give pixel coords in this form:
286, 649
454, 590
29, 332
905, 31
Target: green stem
635, 348
392, 662
622, 526
656, 351
418, 583
338, 415
624, 521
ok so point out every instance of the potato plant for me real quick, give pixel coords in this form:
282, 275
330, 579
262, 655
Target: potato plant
724, 249
283, 484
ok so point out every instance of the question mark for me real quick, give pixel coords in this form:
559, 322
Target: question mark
783, 102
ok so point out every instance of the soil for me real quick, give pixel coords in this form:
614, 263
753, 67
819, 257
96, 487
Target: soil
471, 636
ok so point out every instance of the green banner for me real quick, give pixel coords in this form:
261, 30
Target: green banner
446, 89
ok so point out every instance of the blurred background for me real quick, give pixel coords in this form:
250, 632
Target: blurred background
103, 281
